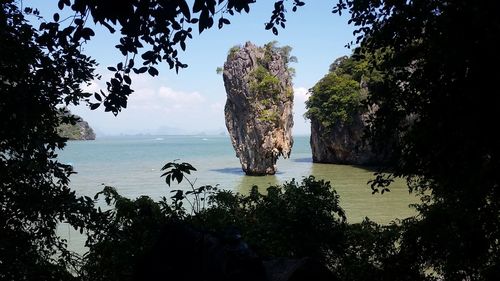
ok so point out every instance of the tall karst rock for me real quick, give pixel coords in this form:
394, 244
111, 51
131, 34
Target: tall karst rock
259, 105
342, 143
339, 117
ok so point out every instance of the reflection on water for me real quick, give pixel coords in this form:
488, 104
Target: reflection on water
132, 166
357, 199
235, 171
245, 184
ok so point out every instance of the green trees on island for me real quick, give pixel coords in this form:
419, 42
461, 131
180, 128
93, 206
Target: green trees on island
338, 111
343, 91
337, 96
436, 106
77, 129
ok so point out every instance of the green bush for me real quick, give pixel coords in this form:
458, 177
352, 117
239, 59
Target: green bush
233, 50
263, 84
294, 220
334, 99
340, 94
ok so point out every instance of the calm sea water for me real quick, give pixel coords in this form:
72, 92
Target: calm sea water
132, 165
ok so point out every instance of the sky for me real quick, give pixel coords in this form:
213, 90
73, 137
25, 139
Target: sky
193, 101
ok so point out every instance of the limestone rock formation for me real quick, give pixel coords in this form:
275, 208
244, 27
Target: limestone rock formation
79, 131
259, 106
338, 114
343, 143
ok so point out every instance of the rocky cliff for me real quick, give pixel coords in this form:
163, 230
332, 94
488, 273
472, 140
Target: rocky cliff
338, 114
342, 143
259, 106
81, 130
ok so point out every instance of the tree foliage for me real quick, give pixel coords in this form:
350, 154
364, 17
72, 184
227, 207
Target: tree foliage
334, 99
232, 234
154, 30
42, 69
340, 93
274, 223
437, 102
34, 192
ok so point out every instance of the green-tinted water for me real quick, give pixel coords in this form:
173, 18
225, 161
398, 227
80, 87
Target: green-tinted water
132, 165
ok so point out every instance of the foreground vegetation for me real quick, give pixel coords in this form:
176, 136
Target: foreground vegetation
296, 220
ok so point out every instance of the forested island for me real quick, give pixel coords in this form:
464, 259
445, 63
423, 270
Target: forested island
435, 110
339, 113
80, 130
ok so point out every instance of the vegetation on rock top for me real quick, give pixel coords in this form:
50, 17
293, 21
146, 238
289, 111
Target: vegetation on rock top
340, 94
78, 129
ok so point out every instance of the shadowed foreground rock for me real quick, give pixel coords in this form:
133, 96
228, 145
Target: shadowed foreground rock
259, 106
343, 143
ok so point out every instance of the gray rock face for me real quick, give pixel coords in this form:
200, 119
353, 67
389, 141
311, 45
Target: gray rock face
86, 132
259, 106
343, 144
79, 131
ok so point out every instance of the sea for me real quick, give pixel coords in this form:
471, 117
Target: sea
132, 164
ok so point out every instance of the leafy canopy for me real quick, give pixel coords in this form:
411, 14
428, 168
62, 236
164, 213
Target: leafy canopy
437, 106
294, 220
34, 192
338, 95
42, 69
152, 32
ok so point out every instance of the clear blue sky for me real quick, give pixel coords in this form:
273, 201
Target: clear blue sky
194, 99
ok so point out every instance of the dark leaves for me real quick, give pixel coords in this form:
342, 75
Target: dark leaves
63, 3
163, 28
78, 21
381, 182
223, 21
198, 6
140, 70
152, 71
86, 33
278, 16
299, 3
175, 171
94, 106
127, 79
183, 6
